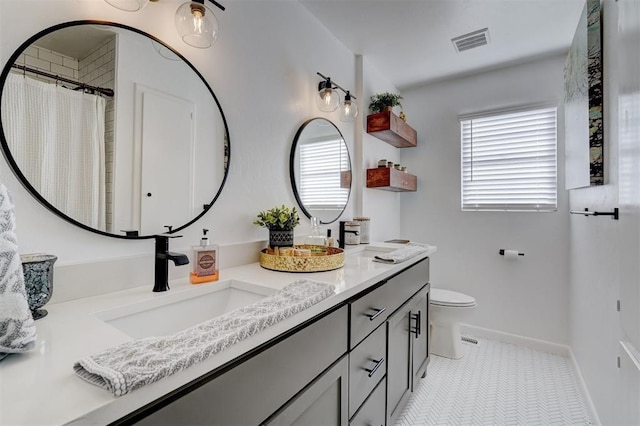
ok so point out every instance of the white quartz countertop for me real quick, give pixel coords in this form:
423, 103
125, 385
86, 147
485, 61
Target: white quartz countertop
41, 388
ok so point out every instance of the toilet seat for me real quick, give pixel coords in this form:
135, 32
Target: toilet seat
450, 298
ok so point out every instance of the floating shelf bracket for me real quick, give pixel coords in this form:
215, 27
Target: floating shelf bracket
614, 214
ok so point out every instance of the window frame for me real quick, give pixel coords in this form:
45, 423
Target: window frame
511, 204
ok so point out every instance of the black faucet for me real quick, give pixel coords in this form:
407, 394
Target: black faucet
341, 233
162, 258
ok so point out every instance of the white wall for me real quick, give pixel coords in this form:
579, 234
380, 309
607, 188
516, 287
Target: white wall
262, 69
528, 296
382, 206
604, 253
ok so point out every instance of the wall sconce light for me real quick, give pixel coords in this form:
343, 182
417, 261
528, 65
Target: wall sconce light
328, 99
348, 109
195, 22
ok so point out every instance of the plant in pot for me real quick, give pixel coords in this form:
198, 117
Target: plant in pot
280, 222
384, 101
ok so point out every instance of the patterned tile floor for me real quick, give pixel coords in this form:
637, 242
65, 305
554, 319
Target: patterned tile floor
497, 383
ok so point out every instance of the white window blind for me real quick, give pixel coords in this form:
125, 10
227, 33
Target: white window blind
509, 161
321, 162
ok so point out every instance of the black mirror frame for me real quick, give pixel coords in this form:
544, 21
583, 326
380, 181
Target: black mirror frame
23, 180
292, 168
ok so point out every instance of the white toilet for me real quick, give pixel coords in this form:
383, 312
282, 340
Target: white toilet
447, 309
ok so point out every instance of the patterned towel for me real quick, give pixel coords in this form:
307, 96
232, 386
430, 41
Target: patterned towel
403, 253
134, 364
17, 329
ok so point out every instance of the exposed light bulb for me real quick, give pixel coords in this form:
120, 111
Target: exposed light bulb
196, 24
328, 100
197, 11
348, 110
327, 97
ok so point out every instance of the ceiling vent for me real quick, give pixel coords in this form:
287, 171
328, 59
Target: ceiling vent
471, 40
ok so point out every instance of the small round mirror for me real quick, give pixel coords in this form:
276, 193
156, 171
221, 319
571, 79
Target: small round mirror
320, 169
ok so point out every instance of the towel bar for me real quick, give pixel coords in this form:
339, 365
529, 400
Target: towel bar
614, 214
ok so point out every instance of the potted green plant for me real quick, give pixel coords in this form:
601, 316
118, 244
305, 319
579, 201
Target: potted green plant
280, 222
384, 101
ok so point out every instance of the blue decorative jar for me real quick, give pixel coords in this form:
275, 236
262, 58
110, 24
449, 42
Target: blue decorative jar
38, 281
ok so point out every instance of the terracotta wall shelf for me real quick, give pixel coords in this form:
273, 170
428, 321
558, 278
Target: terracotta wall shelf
390, 179
390, 128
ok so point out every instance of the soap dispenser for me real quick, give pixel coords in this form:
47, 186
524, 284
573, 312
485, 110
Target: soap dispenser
205, 265
315, 238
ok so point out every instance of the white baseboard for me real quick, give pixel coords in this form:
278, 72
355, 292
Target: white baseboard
528, 342
540, 345
583, 388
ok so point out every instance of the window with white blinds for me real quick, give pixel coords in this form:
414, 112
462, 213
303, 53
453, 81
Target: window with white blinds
321, 163
509, 161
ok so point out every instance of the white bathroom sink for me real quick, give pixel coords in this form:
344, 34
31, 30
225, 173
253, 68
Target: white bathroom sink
368, 251
168, 313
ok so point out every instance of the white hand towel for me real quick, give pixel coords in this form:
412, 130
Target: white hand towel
17, 329
403, 253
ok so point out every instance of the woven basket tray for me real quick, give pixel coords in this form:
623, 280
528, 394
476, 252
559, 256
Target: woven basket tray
321, 259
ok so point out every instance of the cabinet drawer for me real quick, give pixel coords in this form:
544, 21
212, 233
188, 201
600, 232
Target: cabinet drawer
372, 309
367, 313
323, 402
367, 365
407, 283
372, 411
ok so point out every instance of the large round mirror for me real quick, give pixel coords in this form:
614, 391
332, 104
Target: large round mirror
320, 169
112, 130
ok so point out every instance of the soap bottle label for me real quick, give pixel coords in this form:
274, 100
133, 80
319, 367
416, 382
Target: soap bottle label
206, 263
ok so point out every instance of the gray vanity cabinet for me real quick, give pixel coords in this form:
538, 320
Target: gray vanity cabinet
355, 365
372, 412
420, 335
399, 372
324, 402
252, 391
389, 333
367, 366
407, 351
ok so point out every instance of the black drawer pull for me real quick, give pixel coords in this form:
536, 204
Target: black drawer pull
375, 367
418, 318
376, 315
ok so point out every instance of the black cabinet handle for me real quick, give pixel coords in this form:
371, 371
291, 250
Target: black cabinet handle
375, 367
418, 318
377, 314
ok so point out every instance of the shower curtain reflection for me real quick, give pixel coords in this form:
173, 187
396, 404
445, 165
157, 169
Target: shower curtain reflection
57, 137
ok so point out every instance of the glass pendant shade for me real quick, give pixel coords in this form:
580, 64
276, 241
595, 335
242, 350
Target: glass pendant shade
348, 109
196, 24
128, 5
328, 98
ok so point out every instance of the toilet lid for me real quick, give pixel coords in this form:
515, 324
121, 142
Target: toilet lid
450, 298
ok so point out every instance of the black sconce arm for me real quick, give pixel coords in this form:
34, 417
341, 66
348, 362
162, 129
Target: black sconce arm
218, 5
214, 2
334, 85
